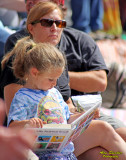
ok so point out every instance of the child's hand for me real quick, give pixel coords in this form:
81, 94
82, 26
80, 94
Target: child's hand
35, 122
74, 116
97, 113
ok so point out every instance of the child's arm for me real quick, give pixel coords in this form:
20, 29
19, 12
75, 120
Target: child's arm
70, 105
74, 116
97, 113
73, 110
33, 122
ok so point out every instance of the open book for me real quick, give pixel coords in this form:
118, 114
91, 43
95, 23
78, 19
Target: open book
56, 136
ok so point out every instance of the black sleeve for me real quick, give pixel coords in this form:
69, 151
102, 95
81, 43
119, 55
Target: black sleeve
63, 85
9, 45
92, 58
7, 77
12, 39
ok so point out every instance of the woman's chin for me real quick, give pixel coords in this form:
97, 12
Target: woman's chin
54, 42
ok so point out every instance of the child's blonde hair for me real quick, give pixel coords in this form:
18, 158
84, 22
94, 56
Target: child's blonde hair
27, 54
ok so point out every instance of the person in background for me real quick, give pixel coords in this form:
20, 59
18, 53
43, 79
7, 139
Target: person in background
87, 61
4, 34
9, 20
122, 6
87, 15
111, 19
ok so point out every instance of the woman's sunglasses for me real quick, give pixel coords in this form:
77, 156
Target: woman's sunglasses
49, 23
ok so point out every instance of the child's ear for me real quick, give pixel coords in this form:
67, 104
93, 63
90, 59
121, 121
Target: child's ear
34, 71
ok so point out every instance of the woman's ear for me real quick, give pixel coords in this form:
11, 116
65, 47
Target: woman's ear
30, 29
34, 72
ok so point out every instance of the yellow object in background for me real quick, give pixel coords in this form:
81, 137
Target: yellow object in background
111, 20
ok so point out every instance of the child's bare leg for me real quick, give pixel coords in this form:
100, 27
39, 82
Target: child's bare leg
100, 133
94, 154
122, 132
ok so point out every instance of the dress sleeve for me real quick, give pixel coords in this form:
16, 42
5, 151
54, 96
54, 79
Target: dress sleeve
17, 109
92, 58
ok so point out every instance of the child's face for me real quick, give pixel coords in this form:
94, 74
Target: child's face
48, 80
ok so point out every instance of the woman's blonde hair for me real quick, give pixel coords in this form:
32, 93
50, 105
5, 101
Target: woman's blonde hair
27, 54
41, 9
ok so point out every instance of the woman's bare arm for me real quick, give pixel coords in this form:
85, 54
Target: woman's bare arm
90, 81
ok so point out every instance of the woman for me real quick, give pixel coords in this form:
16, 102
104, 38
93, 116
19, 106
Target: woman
39, 23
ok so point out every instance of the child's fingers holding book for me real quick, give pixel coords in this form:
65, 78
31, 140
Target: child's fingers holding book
97, 113
74, 116
36, 122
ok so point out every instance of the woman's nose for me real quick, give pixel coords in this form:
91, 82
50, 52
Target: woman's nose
53, 27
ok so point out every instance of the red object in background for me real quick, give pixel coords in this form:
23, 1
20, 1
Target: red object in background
62, 2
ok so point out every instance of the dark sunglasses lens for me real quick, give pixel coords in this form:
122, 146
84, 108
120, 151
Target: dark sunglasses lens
60, 24
46, 22
49, 23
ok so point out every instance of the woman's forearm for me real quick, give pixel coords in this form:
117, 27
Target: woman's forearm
91, 81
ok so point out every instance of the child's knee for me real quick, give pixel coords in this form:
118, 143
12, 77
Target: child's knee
107, 132
104, 127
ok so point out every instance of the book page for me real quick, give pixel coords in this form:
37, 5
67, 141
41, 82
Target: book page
81, 123
81, 126
52, 138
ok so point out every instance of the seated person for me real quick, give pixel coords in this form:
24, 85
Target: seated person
39, 65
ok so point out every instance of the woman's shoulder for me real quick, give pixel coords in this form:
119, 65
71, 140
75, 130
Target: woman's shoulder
12, 39
71, 34
74, 32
